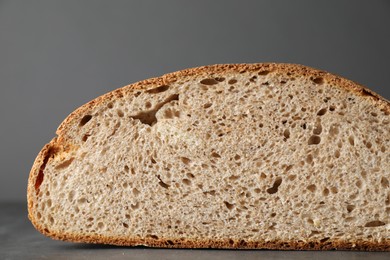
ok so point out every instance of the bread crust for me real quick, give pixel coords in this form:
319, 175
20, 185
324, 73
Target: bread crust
63, 143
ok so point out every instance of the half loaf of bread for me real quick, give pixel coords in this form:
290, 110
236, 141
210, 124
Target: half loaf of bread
274, 156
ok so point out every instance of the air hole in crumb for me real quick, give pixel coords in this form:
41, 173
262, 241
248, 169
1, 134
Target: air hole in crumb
275, 186
314, 139
321, 112
243, 243
358, 184
125, 225
161, 183
324, 239
232, 81
366, 92
384, 182
229, 205
186, 181
312, 187
292, 177
207, 105
110, 105
136, 192
149, 117
286, 133
185, 160
337, 154
332, 108
135, 206
350, 208
234, 177
209, 82
264, 72
158, 89
85, 120
215, 155
168, 114
334, 190
375, 223
325, 192
351, 140
120, 113
148, 104
318, 80
85, 137
237, 157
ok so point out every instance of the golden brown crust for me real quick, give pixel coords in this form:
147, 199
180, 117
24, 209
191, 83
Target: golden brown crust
58, 144
32, 180
224, 244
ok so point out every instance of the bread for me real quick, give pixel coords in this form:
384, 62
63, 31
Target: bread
271, 156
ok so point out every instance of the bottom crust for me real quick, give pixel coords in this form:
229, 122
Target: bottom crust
223, 244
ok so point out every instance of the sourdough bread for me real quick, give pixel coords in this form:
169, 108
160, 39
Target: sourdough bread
275, 156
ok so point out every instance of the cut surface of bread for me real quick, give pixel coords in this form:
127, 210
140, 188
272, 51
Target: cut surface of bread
272, 156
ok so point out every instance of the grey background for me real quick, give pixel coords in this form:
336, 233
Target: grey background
57, 55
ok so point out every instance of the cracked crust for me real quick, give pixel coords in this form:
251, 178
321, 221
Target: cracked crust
62, 143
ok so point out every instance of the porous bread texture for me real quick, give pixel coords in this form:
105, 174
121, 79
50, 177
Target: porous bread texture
230, 156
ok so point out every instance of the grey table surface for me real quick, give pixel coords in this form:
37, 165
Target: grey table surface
19, 240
